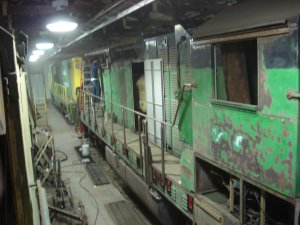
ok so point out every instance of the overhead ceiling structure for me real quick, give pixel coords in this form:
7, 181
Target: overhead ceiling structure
105, 22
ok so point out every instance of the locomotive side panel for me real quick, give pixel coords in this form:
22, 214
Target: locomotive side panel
202, 94
185, 124
121, 91
256, 138
75, 76
279, 76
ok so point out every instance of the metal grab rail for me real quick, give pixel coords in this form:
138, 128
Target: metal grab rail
180, 100
140, 142
142, 130
61, 93
124, 126
128, 109
162, 131
146, 150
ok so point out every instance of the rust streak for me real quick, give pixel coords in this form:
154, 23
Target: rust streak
286, 132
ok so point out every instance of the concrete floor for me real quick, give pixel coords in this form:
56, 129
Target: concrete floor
73, 171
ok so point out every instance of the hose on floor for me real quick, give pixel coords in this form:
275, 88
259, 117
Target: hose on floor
64, 154
94, 202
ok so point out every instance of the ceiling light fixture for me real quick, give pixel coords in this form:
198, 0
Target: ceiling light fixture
62, 26
33, 58
38, 52
44, 45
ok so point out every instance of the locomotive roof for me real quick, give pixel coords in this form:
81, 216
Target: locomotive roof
249, 15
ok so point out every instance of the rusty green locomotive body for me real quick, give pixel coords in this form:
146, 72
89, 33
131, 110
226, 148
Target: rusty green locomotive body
245, 107
221, 118
257, 135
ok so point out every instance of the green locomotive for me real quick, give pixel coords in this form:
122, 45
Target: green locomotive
64, 81
207, 122
245, 110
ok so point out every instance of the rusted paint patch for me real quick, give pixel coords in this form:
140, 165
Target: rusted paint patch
259, 144
285, 132
265, 99
254, 148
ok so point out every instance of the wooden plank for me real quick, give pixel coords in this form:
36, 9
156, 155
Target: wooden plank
20, 190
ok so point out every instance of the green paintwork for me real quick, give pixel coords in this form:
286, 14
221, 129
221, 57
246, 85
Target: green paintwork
65, 73
185, 118
203, 79
254, 145
60, 74
115, 93
171, 98
107, 88
117, 82
220, 84
118, 89
201, 108
276, 88
259, 142
185, 110
181, 199
187, 170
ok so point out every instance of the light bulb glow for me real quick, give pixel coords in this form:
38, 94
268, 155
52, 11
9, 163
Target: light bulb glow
33, 58
38, 52
44, 46
62, 26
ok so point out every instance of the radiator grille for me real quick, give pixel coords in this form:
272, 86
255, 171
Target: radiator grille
185, 59
167, 51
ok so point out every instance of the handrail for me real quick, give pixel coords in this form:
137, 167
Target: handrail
146, 150
128, 109
124, 126
140, 142
163, 153
61, 93
142, 129
180, 101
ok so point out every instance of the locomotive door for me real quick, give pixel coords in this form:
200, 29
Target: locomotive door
138, 87
154, 97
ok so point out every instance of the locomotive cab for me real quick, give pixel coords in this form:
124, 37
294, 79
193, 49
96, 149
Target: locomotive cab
246, 109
